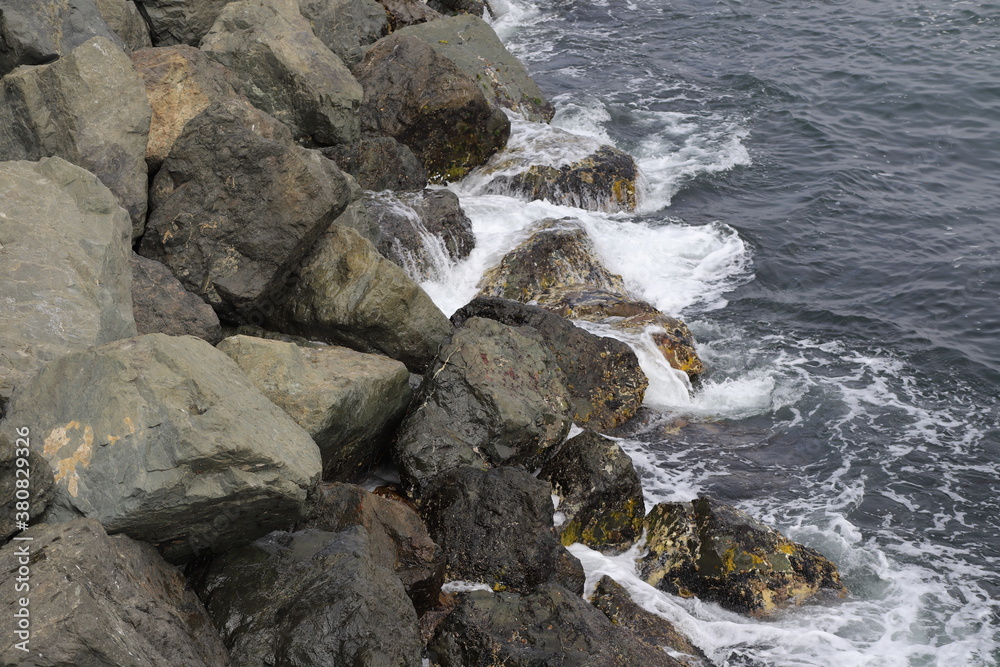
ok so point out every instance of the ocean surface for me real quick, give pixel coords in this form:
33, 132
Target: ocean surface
820, 201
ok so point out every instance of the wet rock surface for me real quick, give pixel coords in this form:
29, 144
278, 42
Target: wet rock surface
379, 163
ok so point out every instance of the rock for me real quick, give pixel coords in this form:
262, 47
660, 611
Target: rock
402, 13
177, 449
551, 626
26, 484
349, 402
286, 71
160, 304
599, 492
181, 21
346, 27
89, 107
104, 602
399, 539
125, 19
379, 163
495, 527
614, 602
37, 32
425, 101
476, 8
346, 293
236, 206
64, 267
181, 82
492, 397
721, 554
310, 598
471, 44
602, 375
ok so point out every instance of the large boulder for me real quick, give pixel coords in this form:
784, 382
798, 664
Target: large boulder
470, 43
181, 21
89, 107
722, 554
102, 601
379, 163
26, 483
601, 374
181, 82
347, 27
424, 100
493, 397
349, 402
600, 496
160, 304
495, 527
346, 293
236, 206
551, 626
285, 70
177, 449
64, 267
124, 17
311, 599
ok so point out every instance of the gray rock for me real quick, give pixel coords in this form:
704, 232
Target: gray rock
160, 304
26, 484
287, 71
90, 108
451, 7
347, 27
103, 601
125, 19
181, 21
346, 293
402, 13
380, 163
236, 205
349, 402
177, 449
64, 267
311, 599
492, 397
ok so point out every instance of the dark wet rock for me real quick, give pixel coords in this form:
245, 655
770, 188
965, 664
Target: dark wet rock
379, 163
346, 293
176, 447
722, 554
181, 82
64, 267
495, 527
492, 397
236, 206
551, 626
349, 402
286, 71
160, 304
399, 539
476, 8
346, 27
124, 17
602, 375
26, 484
425, 101
402, 13
89, 107
599, 491
103, 601
181, 21
310, 598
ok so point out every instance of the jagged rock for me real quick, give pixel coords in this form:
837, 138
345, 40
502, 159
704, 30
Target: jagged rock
286, 71
614, 602
236, 205
402, 13
602, 375
399, 539
181, 82
125, 19
26, 484
551, 626
476, 8
495, 527
312, 599
492, 397
600, 496
346, 293
181, 21
471, 44
177, 449
379, 163
36, 32
349, 402
724, 555
64, 267
425, 101
347, 27
160, 304
104, 602
89, 107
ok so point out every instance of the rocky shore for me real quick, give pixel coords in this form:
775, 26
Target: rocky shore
214, 218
